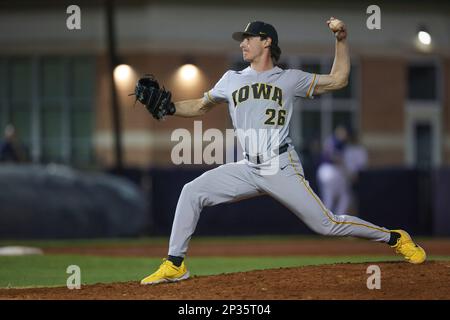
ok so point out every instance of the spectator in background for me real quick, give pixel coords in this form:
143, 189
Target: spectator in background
331, 174
355, 160
11, 150
311, 155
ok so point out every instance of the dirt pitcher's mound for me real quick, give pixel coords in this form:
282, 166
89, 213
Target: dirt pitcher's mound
399, 280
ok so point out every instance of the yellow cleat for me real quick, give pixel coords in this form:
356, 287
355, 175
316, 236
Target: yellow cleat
410, 251
167, 272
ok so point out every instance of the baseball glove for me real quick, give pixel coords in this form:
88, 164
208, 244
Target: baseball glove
155, 99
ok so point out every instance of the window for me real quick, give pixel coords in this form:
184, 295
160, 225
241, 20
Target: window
3, 90
52, 108
423, 111
423, 141
422, 80
50, 102
81, 113
19, 92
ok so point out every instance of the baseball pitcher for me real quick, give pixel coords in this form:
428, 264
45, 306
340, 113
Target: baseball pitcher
261, 97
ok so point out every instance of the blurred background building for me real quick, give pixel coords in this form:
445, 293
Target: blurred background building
55, 82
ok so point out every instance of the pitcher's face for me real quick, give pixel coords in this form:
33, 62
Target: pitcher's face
252, 47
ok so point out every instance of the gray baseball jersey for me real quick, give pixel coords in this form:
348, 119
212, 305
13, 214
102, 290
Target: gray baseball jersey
263, 100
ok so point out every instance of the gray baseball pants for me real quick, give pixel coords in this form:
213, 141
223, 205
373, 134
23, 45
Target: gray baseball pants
236, 181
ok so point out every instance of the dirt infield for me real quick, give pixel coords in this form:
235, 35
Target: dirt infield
399, 280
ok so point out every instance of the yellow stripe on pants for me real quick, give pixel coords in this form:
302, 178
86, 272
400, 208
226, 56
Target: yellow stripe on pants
324, 210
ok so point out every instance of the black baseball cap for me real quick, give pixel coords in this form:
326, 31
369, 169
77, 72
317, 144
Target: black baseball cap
257, 29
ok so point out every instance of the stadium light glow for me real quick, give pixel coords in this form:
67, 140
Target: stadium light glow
424, 37
188, 72
122, 72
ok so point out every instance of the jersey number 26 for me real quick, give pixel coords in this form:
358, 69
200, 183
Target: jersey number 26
273, 119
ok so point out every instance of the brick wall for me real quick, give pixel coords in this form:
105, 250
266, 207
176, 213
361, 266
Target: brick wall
382, 109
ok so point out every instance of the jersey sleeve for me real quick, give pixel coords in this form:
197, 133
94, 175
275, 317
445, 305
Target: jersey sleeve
218, 93
305, 83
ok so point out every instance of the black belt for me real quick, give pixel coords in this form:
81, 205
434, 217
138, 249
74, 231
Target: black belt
258, 157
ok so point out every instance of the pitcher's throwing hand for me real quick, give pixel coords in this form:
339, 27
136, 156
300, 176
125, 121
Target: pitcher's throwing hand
338, 28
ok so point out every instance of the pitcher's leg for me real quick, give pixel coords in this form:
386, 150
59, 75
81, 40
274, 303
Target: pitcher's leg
323, 221
290, 188
226, 183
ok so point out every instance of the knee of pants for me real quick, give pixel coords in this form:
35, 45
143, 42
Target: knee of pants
324, 227
192, 191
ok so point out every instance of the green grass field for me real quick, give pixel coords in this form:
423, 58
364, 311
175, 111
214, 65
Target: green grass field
50, 270
32, 271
